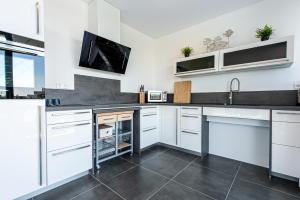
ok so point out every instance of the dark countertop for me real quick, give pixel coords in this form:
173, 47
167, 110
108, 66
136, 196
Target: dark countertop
136, 106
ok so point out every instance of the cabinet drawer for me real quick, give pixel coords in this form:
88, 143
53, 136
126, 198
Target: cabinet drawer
149, 136
149, 120
190, 141
286, 160
286, 116
191, 110
107, 119
125, 116
59, 117
286, 133
69, 162
150, 109
69, 134
191, 123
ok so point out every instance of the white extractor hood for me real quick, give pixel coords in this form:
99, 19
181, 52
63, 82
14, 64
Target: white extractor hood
104, 20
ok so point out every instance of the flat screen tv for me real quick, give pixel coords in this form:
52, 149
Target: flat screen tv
103, 54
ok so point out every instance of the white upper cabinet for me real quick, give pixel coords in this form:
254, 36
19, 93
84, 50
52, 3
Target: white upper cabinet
267, 54
261, 55
200, 64
23, 17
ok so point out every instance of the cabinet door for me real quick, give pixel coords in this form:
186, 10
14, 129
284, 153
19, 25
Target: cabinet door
190, 140
21, 153
23, 17
286, 160
169, 125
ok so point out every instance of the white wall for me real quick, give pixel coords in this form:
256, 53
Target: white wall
141, 65
65, 23
104, 20
280, 14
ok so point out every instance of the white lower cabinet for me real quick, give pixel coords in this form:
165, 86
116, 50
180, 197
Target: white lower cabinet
286, 160
149, 126
190, 136
169, 125
22, 147
285, 143
69, 144
68, 162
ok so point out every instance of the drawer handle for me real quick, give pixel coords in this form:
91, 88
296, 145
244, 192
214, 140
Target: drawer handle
150, 129
108, 119
70, 150
189, 132
190, 116
148, 108
126, 117
148, 115
189, 108
66, 114
70, 126
285, 113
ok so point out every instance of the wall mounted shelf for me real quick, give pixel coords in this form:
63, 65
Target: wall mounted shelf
269, 54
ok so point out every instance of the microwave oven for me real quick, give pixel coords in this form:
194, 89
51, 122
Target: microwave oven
156, 96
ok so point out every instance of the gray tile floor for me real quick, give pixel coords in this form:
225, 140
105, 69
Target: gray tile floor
166, 174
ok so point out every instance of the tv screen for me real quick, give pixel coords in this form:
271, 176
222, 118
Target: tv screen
103, 54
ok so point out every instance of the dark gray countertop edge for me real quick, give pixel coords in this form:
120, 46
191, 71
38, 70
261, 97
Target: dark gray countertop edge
138, 106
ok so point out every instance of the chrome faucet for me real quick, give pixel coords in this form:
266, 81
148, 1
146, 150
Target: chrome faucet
232, 90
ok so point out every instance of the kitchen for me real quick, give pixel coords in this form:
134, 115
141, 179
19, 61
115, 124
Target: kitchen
226, 127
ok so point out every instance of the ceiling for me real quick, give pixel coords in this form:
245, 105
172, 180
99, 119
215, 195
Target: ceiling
157, 18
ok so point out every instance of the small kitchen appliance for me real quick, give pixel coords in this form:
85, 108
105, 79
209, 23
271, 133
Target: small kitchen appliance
156, 96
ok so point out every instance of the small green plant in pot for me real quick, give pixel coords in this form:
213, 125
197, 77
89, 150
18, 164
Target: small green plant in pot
264, 33
187, 51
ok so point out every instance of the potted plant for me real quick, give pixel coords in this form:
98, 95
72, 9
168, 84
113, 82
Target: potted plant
187, 51
264, 33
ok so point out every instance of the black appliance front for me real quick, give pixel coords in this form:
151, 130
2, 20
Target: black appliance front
103, 54
22, 69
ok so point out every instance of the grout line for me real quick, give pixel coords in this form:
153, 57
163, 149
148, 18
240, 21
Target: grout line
101, 183
193, 189
124, 172
233, 181
86, 191
160, 188
266, 187
216, 171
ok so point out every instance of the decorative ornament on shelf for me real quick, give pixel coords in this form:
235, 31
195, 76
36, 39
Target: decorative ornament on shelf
264, 33
187, 51
228, 34
218, 43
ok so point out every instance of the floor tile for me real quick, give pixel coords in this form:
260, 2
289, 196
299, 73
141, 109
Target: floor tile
221, 164
174, 191
165, 165
113, 167
137, 183
100, 192
212, 183
260, 175
248, 191
145, 155
180, 155
69, 190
